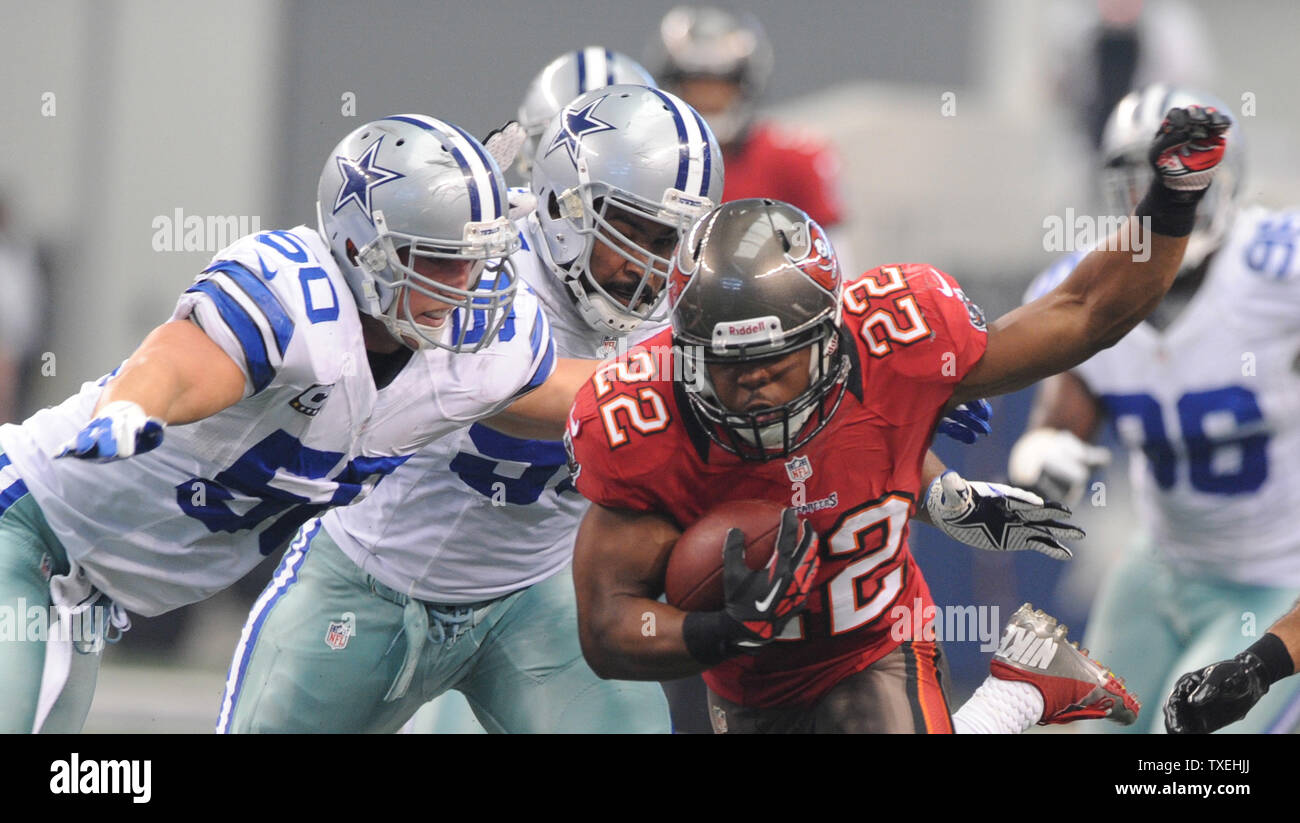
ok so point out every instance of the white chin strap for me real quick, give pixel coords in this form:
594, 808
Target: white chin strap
406, 332
772, 437
602, 313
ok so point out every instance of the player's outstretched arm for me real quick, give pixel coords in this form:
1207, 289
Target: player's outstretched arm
1207, 700
541, 414
177, 375
1110, 291
619, 562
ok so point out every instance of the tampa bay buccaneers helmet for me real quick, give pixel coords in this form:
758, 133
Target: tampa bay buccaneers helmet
757, 280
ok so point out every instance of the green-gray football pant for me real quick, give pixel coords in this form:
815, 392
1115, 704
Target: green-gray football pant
29, 555
326, 644
1151, 624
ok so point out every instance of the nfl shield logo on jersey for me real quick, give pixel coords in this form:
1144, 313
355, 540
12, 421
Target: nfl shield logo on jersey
607, 349
339, 631
799, 469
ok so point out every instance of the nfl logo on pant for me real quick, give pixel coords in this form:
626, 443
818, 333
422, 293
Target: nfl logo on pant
339, 631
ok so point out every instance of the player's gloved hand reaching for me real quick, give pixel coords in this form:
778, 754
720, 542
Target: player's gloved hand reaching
999, 518
1188, 147
1055, 463
504, 142
120, 430
760, 602
968, 422
1209, 699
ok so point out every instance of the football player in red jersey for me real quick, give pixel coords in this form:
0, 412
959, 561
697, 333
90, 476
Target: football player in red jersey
790, 371
719, 62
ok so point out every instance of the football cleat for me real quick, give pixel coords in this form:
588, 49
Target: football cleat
1034, 650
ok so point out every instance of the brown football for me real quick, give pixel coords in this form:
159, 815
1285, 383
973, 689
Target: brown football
693, 582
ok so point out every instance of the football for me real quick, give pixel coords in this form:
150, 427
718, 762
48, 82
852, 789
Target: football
693, 582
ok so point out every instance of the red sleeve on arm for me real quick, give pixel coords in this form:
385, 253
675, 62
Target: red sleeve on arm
918, 335
597, 467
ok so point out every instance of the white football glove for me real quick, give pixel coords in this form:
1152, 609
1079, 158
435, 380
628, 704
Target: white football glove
504, 142
1055, 462
1000, 518
120, 430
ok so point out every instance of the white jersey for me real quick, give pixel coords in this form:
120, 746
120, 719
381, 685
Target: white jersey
1210, 409
479, 514
179, 523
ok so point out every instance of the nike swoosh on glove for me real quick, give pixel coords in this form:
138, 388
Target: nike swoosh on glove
120, 430
995, 517
759, 602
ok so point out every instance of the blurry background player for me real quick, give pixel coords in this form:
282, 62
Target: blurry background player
1205, 395
1105, 48
719, 61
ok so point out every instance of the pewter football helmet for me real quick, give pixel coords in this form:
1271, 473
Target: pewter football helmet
711, 42
621, 151
755, 280
563, 79
1126, 171
410, 186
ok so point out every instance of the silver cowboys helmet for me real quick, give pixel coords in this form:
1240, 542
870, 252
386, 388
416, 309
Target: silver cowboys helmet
1126, 172
407, 188
756, 280
563, 79
713, 42
618, 152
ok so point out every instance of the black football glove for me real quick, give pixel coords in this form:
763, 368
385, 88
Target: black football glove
1207, 700
760, 602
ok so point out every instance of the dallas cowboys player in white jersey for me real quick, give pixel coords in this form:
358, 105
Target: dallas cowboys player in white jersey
1206, 396
308, 364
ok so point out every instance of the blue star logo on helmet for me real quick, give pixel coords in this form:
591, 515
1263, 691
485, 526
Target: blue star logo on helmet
577, 124
360, 176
